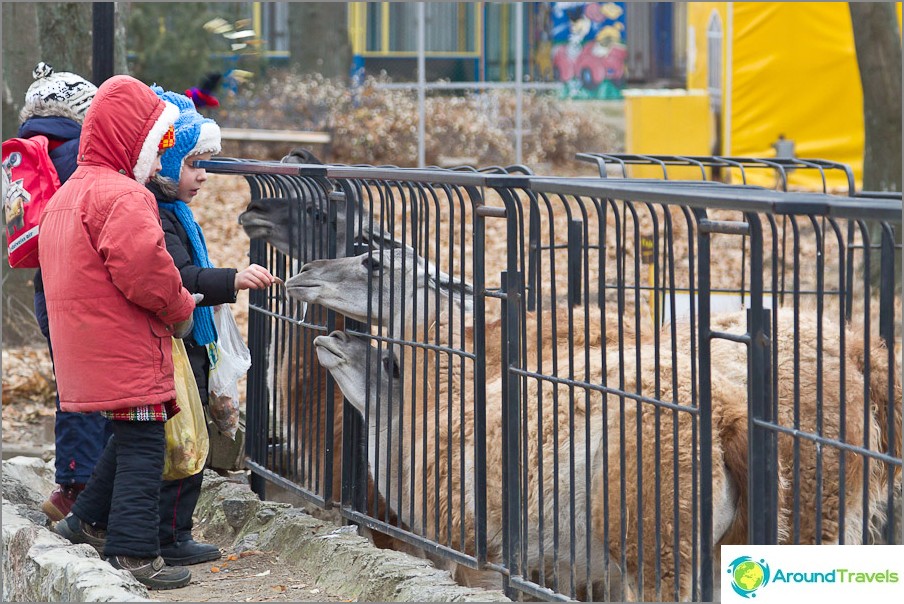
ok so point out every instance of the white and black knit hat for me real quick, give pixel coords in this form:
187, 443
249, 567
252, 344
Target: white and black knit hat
67, 88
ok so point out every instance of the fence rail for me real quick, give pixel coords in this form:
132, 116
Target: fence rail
577, 388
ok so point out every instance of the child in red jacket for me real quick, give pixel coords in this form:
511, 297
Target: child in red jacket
114, 301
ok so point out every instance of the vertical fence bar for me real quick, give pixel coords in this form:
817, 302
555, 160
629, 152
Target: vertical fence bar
480, 370
533, 260
705, 402
575, 253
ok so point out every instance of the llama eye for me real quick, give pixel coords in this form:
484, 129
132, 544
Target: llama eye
391, 366
372, 264
315, 213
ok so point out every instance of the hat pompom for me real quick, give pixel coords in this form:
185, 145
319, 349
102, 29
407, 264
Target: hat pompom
41, 70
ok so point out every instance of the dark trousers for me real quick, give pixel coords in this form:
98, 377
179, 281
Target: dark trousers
79, 437
123, 494
178, 499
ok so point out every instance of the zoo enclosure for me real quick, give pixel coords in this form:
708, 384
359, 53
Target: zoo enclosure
630, 272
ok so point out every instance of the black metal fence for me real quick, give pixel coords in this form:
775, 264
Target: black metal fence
572, 387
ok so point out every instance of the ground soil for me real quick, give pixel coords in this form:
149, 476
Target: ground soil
251, 576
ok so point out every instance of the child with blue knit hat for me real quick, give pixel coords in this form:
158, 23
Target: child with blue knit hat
197, 138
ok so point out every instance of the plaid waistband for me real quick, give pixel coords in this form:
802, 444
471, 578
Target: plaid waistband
157, 412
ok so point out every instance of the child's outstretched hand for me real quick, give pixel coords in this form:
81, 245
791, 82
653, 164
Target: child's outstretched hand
253, 277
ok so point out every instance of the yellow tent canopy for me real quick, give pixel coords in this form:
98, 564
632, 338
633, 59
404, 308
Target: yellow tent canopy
784, 69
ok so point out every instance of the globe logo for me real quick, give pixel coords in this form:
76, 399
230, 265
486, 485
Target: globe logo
748, 575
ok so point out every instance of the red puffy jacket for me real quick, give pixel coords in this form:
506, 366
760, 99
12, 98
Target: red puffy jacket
112, 289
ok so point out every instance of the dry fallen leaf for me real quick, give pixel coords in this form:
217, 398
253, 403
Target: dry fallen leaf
214, 569
279, 588
231, 557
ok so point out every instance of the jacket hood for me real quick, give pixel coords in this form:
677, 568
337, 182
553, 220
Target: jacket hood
61, 128
123, 127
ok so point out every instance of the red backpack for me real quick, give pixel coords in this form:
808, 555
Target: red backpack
29, 181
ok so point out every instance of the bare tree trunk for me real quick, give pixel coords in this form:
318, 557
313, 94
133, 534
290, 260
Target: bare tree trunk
318, 38
65, 33
120, 53
20, 23
878, 44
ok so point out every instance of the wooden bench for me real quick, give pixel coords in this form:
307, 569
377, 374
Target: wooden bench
291, 137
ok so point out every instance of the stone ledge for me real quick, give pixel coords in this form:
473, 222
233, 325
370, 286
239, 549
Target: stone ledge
39, 566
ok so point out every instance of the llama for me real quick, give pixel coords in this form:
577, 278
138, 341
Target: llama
434, 378
729, 425
346, 358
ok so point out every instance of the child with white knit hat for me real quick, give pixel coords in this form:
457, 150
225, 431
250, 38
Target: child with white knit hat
175, 187
57, 93
55, 107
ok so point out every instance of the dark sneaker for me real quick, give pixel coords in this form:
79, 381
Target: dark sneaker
152, 572
77, 531
184, 553
59, 504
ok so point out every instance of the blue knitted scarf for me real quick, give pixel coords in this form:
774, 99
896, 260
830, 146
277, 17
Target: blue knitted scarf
204, 330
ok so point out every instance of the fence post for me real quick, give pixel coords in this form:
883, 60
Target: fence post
763, 443
256, 409
511, 423
887, 333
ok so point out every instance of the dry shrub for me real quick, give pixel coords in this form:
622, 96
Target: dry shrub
379, 126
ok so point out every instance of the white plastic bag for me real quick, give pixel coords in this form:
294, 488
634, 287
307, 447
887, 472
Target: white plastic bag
232, 360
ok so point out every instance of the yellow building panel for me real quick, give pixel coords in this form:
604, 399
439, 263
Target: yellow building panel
667, 122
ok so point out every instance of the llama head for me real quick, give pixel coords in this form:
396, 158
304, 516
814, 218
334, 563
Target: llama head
298, 225
368, 377
381, 287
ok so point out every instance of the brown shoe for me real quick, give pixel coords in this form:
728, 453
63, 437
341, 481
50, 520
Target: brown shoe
77, 531
59, 504
152, 572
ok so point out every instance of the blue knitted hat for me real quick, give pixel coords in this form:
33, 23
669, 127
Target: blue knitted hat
195, 134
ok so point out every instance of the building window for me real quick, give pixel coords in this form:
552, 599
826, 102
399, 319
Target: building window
274, 25
450, 28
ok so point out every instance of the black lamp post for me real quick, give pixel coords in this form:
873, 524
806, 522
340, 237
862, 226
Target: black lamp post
102, 42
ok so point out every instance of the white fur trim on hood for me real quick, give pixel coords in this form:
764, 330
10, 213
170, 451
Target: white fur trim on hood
148, 155
208, 140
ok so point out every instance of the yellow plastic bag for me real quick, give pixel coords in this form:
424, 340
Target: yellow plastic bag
187, 441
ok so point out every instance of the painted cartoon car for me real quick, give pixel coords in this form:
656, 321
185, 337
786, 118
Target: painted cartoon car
594, 64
